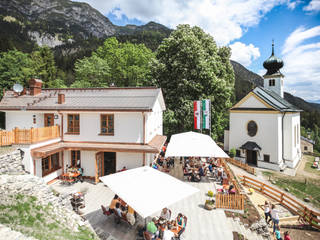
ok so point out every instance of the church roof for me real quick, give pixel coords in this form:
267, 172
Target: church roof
275, 100
251, 146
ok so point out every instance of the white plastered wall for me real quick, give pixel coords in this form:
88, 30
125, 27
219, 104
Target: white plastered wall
128, 127
154, 122
24, 119
267, 136
252, 102
130, 160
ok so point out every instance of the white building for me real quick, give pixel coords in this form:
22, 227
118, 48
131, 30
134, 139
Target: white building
102, 129
264, 127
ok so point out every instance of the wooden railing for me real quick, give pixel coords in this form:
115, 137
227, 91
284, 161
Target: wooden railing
230, 201
239, 164
28, 136
309, 216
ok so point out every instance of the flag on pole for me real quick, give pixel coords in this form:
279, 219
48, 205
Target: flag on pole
197, 114
206, 114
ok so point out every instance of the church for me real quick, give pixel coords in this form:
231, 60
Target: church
265, 128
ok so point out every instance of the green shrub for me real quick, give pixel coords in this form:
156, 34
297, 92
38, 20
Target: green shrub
232, 153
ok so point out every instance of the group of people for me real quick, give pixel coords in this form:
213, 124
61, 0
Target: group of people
166, 229
122, 210
271, 213
76, 169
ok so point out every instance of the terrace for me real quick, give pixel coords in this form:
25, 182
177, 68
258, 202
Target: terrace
28, 136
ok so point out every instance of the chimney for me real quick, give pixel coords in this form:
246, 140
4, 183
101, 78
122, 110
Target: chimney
61, 98
35, 86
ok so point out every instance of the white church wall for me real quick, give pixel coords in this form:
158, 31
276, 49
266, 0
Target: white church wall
267, 136
226, 140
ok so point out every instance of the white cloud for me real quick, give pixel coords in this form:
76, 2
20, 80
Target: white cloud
225, 20
313, 6
244, 54
302, 63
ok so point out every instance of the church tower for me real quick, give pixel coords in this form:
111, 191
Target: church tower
273, 79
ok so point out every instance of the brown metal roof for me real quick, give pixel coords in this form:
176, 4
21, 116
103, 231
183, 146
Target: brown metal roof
118, 99
153, 147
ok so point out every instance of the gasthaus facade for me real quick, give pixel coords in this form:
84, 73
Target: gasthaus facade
100, 129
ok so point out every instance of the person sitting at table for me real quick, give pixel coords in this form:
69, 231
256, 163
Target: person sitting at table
113, 203
153, 229
231, 190
194, 177
130, 215
165, 214
118, 213
180, 224
168, 234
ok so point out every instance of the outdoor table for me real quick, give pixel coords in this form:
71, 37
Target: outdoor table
70, 176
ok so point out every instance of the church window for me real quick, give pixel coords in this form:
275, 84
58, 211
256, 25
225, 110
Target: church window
305, 148
266, 158
252, 128
272, 82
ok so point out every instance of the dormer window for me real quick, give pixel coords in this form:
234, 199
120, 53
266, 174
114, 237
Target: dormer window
272, 82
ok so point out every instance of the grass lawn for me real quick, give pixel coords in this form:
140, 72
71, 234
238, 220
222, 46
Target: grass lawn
23, 214
297, 187
308, 166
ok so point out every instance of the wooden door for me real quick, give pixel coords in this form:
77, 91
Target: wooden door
99, 166
251, 157
109, 163
48, 119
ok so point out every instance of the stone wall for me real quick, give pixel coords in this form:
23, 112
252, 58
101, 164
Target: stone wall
8, 233
11, 163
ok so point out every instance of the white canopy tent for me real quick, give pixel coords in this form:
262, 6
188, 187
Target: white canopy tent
147, 190
192, 144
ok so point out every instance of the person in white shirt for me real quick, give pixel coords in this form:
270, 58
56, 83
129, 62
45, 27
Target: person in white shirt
165, 214
275, 216
167, 234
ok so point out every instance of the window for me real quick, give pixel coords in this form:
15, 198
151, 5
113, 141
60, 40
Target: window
252, 128
75, 158
272, 82
305, 148
107, 124
266, 158
73, 123
50, 164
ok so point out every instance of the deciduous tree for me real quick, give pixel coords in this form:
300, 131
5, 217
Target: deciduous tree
190, 66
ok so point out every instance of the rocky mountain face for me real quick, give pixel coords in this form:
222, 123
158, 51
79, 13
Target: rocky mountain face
57, 22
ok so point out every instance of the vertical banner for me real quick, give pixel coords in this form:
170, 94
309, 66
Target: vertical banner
197, 114
206, 114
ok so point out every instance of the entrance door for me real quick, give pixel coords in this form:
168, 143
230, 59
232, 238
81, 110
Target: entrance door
109, 163
251, 157
48, 119
99, 166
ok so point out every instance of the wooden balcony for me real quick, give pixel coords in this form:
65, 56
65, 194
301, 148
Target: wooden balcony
28, 136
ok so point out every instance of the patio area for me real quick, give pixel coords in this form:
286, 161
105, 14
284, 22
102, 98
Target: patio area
202, 224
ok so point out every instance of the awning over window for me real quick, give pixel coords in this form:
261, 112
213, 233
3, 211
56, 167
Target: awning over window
251, 146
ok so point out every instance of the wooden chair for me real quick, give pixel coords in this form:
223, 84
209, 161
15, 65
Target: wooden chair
105, 211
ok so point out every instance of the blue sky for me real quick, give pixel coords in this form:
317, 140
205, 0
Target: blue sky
247, 26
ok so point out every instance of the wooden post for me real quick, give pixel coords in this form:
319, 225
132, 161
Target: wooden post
281, 198
15, 130
31, 135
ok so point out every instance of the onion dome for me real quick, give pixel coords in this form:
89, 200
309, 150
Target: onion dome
273, 63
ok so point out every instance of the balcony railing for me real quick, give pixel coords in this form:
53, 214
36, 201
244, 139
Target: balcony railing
28, 136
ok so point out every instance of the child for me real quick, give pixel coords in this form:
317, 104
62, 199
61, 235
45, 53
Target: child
277, 232
286, 236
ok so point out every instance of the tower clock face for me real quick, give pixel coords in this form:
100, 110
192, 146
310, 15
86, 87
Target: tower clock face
252, 128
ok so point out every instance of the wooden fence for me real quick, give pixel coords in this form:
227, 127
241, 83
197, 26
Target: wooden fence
28, 136
230, 201
239, 164
309, 216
